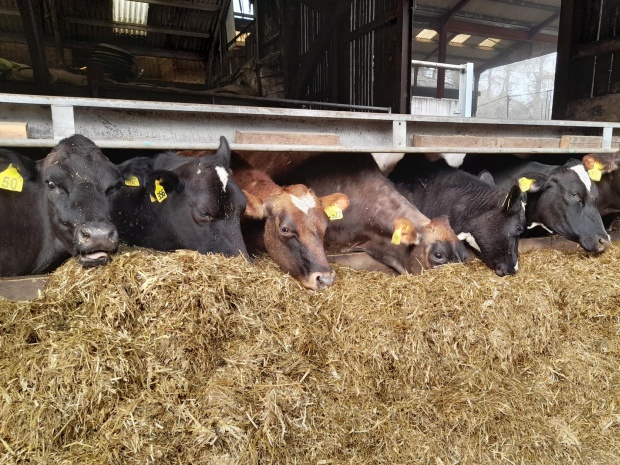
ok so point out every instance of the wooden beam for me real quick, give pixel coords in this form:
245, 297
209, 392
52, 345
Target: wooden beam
134, 49
312, 56
528, 4
182, 4
602, 47
32, 23
369, 27
566, 48
13, 130
215, 41
53, 11
137, 27
286, 138
402, 86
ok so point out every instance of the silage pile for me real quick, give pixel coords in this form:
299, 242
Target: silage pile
182, 358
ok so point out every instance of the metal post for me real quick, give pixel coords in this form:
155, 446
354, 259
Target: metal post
466, 89
63, 121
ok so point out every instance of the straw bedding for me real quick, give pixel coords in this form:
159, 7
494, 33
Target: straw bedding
182, 358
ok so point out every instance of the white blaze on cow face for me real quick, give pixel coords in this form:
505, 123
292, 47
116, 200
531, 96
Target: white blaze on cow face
467, 237
223, 175
304, 203
581, 172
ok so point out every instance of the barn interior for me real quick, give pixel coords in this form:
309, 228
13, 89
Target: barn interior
351, 53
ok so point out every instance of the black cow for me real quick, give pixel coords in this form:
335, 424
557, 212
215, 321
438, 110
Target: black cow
56, 208
489, 218
560, 199
173, 202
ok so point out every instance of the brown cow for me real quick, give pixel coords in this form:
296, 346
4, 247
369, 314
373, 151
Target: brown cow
292, 223
603, 168
379, 221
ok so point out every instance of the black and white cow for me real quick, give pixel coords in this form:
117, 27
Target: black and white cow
489, 218
560, 199
174, 202
56, 208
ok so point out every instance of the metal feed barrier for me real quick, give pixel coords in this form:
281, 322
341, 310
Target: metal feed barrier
155, 125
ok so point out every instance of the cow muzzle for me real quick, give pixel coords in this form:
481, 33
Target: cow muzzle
319, 280
598, 244
95, 242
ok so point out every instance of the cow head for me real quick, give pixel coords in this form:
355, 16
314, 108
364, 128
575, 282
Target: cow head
415, 249
437, 245
563, 201
494, 230
78, 181
603, 169
198, 204
295, 225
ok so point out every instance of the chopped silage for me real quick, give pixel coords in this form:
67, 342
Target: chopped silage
184, 358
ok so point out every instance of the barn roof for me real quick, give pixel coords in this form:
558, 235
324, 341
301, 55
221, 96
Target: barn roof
171, 39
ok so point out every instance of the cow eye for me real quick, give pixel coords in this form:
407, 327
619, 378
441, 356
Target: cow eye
285, 231
114, 188
204, 214
438, 255
51, 185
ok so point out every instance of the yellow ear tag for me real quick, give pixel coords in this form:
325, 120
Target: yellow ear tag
11, 180
596, 171
397, 235
525, 184
153, 199
334, 213
595, 174
132, 181
160, 192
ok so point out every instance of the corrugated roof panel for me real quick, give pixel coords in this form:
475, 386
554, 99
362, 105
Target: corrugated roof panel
130, 12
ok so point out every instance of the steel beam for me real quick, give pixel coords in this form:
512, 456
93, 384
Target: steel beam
160, 125
136, 27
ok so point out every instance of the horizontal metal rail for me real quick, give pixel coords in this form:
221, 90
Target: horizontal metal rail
161, 125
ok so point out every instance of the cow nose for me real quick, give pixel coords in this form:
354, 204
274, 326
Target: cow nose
602, 243
503, 270
321, 279
97, 234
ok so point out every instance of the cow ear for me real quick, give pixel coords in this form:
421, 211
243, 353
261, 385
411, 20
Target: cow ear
405, 232
598, 164
340, 201
254, 207
223, 152
26, 166
532, 182
160, 184
487, 177
512, 202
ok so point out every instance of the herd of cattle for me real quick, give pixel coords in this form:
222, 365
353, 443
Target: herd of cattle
295, 207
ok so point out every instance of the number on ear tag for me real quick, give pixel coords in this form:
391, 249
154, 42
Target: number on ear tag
334, 213
160, 192
132, 181
397, 236
11, 180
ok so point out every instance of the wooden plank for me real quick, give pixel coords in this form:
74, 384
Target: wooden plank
605, 108
22, 288
486, 141
592, 142
13, 130
286, 138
